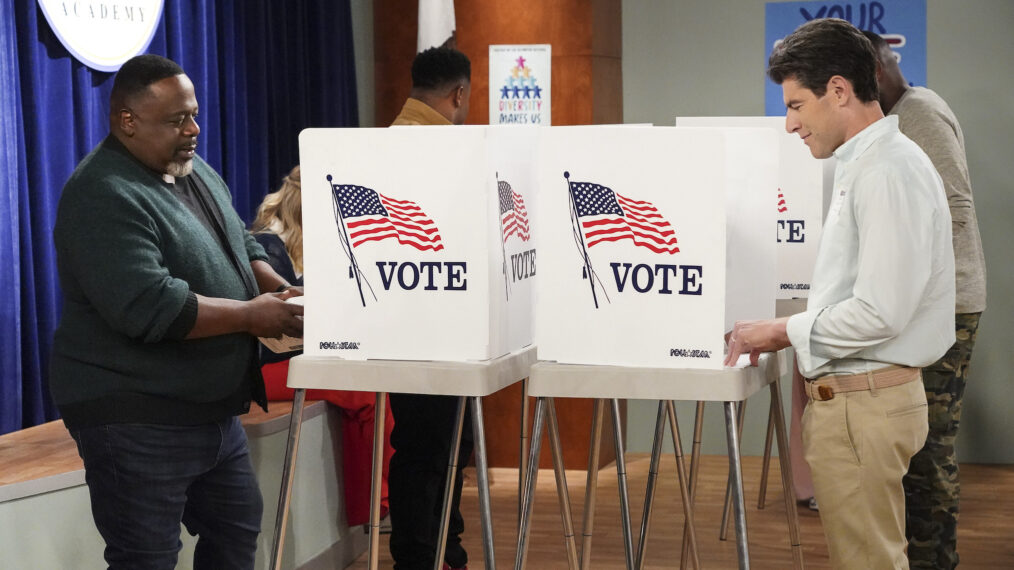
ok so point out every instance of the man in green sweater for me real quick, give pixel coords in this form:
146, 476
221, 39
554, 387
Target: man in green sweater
155, 355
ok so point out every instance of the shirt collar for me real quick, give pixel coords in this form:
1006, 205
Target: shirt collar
418, 112
857, 145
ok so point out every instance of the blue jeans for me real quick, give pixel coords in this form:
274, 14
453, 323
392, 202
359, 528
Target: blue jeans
145, 479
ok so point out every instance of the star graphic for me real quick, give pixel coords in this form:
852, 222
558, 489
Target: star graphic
528, 72
538, 92
514, 72
516, 91
504, 92
528, 92
521, 61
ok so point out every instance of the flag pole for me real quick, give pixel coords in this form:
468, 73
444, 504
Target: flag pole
345, 239
576, 223
503, 248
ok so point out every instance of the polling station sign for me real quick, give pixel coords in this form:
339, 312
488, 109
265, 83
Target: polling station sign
901, 22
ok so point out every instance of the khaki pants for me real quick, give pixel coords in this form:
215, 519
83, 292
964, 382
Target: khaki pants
858, 445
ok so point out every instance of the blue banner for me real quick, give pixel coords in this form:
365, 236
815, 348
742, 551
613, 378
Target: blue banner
901, 22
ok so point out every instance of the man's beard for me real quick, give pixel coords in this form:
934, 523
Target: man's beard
179, 169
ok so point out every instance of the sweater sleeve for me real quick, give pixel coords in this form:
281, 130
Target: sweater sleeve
108, 248
938, 136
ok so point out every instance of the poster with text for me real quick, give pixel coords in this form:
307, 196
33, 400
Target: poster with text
519, 84
901, 22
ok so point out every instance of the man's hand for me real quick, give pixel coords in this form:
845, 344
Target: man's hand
755, 337
269, 316
291, 291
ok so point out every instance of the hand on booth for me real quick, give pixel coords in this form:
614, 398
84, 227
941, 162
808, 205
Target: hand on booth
755, 337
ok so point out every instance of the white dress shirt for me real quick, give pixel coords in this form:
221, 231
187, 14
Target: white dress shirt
883, 284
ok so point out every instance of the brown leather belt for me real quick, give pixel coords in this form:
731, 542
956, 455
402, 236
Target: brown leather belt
825, 387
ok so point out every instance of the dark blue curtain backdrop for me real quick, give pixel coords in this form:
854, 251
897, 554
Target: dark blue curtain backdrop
263, 69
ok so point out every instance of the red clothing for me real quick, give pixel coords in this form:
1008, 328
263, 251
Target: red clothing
357, 438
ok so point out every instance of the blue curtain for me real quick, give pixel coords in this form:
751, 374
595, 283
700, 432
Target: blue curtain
263, 70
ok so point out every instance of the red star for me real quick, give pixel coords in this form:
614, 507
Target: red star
521, 61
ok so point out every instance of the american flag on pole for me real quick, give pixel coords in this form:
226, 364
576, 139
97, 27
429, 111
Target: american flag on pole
371, 216
782, 207
606, 215
513, 214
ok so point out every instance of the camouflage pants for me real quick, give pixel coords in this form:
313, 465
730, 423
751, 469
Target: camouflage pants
931, 485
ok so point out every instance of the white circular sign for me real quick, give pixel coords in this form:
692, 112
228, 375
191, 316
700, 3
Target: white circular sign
103, 35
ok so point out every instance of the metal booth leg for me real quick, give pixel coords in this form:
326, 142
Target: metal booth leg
649, 490
591, 484
452, 473
736, 478
523, 451
695, 466
766, 465
786, 468
561, 487
528, 497
379, 413
723, 532
482, 478
285, 494
621, 480
681, 474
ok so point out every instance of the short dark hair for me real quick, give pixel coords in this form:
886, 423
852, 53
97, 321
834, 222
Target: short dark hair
878, 42
137, 74
439, 67
821, 49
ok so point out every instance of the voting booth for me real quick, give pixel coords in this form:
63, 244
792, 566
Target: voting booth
798, 198
418, 242
653, 241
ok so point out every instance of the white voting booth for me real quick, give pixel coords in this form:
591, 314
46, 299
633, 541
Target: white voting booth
652, 242
410, 253
797, 197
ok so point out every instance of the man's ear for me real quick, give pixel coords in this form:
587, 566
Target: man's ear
126, 121
840, 88
458, 95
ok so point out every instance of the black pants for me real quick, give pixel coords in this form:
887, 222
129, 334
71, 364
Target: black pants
422, 446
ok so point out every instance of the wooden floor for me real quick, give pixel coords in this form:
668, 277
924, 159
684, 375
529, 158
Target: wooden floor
986, 535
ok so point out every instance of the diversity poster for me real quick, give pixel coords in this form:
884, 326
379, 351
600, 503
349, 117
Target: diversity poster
519, 84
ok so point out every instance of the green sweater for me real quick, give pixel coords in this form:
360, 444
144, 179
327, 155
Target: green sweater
131, 256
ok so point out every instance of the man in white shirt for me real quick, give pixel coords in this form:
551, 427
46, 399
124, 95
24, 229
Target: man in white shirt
881, 303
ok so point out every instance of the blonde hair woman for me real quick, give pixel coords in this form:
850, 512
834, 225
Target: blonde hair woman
279, 229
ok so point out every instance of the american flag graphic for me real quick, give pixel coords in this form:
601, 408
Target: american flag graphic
782, 208
513, 214
609, 216
371, 216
